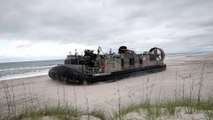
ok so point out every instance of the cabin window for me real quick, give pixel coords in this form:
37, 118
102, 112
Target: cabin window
122, 62
131, 61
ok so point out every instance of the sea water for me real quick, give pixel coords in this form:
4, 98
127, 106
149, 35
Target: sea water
12, 70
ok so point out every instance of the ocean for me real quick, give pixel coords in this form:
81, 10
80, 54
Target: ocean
12, 70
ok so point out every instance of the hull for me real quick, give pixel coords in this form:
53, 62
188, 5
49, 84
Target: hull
69, 75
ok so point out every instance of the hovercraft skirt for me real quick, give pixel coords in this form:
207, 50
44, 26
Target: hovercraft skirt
69, 75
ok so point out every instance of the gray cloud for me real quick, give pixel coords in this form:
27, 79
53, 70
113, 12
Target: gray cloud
177, 26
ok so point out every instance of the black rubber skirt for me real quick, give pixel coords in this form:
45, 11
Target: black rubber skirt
69, 75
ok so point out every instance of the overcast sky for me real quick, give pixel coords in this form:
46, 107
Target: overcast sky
48, 29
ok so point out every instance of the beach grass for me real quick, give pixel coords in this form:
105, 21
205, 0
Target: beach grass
55, 112
37, 113
169, 107
152, 111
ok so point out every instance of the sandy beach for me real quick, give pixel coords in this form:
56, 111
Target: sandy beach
183, 78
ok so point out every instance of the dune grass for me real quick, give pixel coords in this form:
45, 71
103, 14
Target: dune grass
152, 111
58, 112
61, 113
168, 107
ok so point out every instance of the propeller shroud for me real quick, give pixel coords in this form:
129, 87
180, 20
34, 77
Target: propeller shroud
158, 52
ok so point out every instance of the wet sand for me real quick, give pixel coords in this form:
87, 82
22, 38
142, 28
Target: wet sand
183, 78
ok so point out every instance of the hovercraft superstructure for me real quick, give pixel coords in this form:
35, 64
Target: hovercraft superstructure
94, 67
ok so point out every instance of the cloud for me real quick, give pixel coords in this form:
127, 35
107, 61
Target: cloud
139, 24
42, 50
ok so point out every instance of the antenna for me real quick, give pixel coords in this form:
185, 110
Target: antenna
76, 52
99, 48
110, 51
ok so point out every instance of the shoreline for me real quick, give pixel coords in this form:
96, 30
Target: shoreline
23, 77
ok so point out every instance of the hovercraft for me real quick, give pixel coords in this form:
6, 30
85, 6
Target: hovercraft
94, 67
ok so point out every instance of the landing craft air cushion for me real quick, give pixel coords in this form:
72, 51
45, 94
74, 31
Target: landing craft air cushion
92, 67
